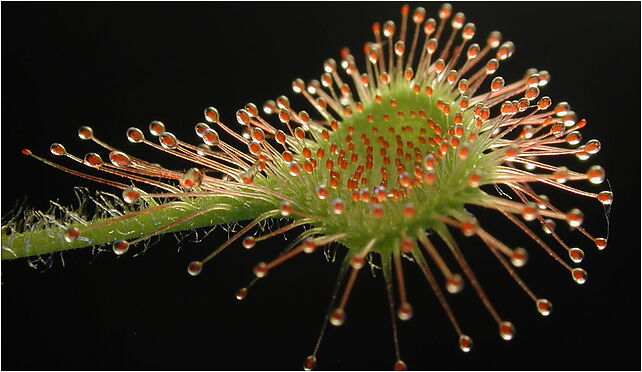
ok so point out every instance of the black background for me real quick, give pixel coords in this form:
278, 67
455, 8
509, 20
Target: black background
117, 65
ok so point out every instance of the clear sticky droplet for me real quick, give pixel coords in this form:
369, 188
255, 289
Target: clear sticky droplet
251, 109
582, 154
57, 149
200, 128
194, 268
241, 294
211, 115
283, 102
135, 135
593, 146
85, 133
574, 138
203, 149
494, 39
465, 343
168, 140
549, 226
322, 192
519, 257
605, 197
455, 284
120, 247
468, 228
400, 365
576, 255
543, 200
497, 84
120, 159
249, 242
294, 169
269, 107
600, 243
337, 206
71, 234
260, 270
309, 246
243, 117
579, 275
505, 51
409, 210
560, 175
93, 159
575, 217
310, 363
156, 128
338, 317
192, 178
530, 212
596, 174
562, 109
405, 311
506, 331
131, 195
210, 137
544, 306
285, 207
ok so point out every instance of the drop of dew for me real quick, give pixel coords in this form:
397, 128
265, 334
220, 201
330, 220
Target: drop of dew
120, 247
544, 306
465, 343
576, 255
579, 275
71, 234
310, 363
194, 268
506, 330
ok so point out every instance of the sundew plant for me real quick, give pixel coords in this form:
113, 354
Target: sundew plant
398, 162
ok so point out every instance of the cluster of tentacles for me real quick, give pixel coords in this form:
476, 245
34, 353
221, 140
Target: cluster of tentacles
397, 149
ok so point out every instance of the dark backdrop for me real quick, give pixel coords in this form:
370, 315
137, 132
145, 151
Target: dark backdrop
117, 65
